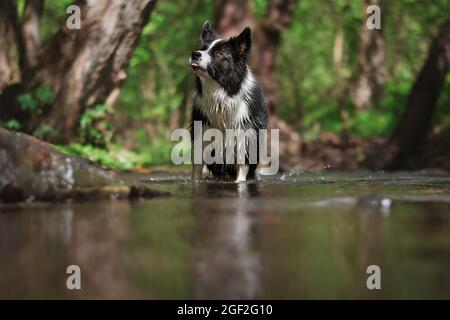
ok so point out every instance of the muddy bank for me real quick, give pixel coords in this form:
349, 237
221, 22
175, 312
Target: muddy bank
34, 170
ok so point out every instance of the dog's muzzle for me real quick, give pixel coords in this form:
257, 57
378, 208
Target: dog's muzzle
194, 61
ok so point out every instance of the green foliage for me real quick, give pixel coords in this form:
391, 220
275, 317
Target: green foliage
12, 124
44, 95
370, 123
95, 126
116, 158
442, 114
156, 95
45, 132
306, 75
159, 76
28, 103
33, 102
52, 19
259, 8
155, 150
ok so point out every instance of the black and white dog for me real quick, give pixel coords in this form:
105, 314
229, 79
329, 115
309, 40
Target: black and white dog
227, 97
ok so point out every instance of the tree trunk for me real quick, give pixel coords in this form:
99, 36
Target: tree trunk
86, 67
267, 39
416, 122
371, 71
340, 90
7, 49
232, 16
11, 60
30, 29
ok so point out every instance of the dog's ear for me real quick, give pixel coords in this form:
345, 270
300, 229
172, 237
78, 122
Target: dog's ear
208, 34
243, 43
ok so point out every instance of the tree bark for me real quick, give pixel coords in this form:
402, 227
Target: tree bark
340, 84
7, 45
30, 29
232, 16
86, 67
422, 100
12, 60
267, 37
371, 71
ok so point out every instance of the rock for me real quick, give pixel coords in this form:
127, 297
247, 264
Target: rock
31, 169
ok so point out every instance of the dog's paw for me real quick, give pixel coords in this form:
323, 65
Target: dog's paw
196, 180
242, 173
240, 179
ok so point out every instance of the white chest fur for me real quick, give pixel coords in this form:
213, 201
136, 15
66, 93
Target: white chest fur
224, 111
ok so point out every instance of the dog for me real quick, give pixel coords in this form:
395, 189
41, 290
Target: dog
227, 96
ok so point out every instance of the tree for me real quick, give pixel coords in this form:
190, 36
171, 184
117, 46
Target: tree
30, 29
231, 18
416, 122
82, 67
10, 43
340, 83
371, 71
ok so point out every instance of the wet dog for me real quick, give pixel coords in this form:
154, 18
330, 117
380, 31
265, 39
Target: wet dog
227, 96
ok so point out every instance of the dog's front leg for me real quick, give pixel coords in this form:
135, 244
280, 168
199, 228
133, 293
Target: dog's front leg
197, 170
242, 171
197, 151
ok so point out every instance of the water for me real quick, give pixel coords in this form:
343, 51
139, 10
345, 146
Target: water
296, 235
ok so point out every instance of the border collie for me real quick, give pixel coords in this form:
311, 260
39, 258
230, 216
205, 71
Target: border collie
227, 96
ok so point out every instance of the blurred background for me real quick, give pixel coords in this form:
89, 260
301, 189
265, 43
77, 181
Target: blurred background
344, 97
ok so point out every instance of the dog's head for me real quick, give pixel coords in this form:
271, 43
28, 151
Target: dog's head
218, 58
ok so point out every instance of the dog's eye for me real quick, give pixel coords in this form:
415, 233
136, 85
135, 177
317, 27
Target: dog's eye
218, 54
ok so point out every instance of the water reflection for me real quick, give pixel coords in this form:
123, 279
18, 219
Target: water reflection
228, 266
39, 241
297, 240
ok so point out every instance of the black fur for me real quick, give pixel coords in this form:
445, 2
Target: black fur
229, 67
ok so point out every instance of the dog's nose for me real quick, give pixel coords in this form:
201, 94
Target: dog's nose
195, 55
